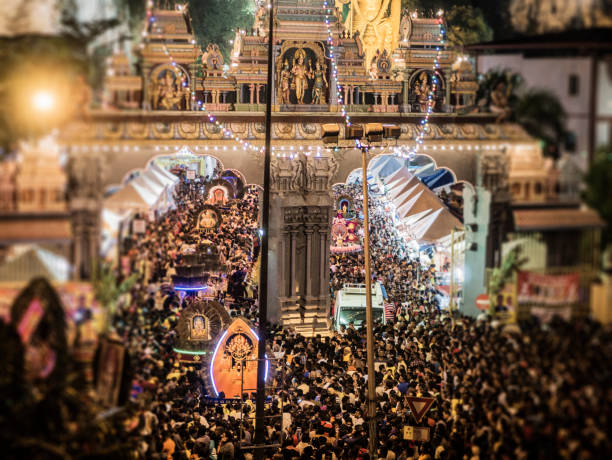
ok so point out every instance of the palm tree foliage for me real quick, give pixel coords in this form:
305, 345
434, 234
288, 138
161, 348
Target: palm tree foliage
538, 111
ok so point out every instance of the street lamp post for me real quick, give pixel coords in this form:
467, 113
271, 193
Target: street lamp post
372, 132
369, 314
260, 399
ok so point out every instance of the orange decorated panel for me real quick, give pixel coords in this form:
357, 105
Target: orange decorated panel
234, 362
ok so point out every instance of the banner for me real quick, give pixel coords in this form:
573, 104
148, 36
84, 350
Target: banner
550, 290
139, 226
30, 320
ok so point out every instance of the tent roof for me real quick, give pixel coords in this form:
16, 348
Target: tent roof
126, 197
399, 195
36, 262
400, 174
388, 166
171, 178
437, 225
439, 178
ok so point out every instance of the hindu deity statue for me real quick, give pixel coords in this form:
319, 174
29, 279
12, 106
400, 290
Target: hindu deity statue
284, 83
166, 93
499, 101
320, 83
422, 90
300, 75
371, 16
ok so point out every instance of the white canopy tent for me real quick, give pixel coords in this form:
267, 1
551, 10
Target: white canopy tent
125, 199
435, 226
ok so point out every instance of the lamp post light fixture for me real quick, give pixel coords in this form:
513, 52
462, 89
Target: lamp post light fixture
43, 101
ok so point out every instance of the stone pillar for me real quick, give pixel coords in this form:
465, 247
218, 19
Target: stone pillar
193, 67
146, 74
301, 213
85, 205
309, 273
251, 90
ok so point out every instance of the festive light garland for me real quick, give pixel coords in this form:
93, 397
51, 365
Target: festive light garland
211, 118
333, 60
430, 97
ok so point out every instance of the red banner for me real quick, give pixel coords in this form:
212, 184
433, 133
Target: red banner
552, 290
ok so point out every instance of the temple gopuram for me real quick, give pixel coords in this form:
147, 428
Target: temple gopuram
383, 65
387, 64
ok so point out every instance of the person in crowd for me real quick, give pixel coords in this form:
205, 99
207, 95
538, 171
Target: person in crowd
498, 394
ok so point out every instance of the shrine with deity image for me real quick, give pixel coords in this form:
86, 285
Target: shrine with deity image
383, 61
302, 74
233, 365
346, 229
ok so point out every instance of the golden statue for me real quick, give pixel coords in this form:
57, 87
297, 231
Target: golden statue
378, 30
422, 90
300, 75
167, 94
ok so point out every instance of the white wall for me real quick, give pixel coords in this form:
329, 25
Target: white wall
603, 128
553, 74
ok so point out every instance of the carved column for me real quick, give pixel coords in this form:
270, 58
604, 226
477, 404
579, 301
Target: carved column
292, 258
301, 218
251, 90
85, 194
146, 75
309, 274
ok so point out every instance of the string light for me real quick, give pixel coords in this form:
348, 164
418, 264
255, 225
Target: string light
424, 124
202, 107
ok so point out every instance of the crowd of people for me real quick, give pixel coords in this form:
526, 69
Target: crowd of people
406, 282
498, 394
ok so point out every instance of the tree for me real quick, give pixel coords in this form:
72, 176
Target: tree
538, 111
108, 290
502, 275
215, 21
541, 114
597, 193
466, 25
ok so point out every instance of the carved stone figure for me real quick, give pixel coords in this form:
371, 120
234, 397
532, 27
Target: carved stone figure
300, 75
284, 83
168, 91
320, 83
499, 101
383, 27
422, 90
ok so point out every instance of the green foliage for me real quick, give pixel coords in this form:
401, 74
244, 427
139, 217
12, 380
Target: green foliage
106, 287
597, 193
502, 275
466, 25
541, 114
538, 111
215, 21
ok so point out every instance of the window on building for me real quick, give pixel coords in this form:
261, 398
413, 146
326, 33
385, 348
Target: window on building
574, 85
538, 188
570, 141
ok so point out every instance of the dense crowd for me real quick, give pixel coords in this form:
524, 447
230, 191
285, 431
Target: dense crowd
498, 394
406, 282
543, 392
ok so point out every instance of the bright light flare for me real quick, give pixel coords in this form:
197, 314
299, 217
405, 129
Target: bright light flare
43, 101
